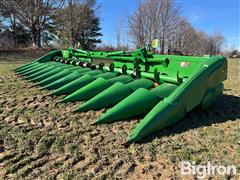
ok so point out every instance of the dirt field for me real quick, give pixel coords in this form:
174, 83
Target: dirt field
42, 139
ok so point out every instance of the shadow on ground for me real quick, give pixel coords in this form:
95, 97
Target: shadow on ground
227, 108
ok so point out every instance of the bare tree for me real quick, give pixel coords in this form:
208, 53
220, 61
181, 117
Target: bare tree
162, 19
118, 31
193, 42
10, 18
137, 23
155, 19
186, 39
170, 20
77, 23
33, 14
215, 43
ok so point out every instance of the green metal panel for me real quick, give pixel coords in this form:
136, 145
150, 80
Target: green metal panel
114, 94
56, 76
187, 96
74, 85
52, 72
45, 70
139, 102
181, 84
66, 79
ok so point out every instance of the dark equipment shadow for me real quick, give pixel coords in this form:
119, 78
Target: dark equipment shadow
227, 108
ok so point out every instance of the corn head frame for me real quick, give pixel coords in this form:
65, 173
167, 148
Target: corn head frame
162, 87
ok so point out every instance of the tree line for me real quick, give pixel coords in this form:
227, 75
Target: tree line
67, 22
163, 20
76, 23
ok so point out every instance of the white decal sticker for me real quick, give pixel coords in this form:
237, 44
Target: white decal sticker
184, 64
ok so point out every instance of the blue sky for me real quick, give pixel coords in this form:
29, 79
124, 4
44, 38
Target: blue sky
205, 15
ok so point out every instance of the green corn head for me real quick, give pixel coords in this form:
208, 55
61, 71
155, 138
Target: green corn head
161, 87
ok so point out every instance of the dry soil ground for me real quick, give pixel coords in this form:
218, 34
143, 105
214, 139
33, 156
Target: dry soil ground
42, 139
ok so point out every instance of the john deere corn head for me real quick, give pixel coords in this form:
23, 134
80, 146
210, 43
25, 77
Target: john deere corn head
161, 87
